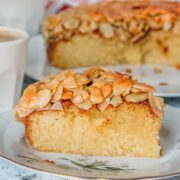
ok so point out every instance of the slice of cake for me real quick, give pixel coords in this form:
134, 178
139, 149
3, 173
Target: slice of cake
114, 32
96, 112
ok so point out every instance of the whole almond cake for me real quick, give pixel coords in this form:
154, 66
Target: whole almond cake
96, 112
115, 32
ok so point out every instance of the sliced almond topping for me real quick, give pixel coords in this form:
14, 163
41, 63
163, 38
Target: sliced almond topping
84, 27
45, 108
136, 97
157, 104
24, 102
142, 87
96, 95
167, 26
92, 73
84, 105
107, 30
93, 26
23, 112
56, 106
99, 84
45, 79
116, 100
106, 90
122, 86
71, 24
43, 98
102, 106
30, 92
69, 83
51, 21
77, 98
81, 80
58, 93
67, 95
52, 85
108, 75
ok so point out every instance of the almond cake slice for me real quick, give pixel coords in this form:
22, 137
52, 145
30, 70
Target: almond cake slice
96, 112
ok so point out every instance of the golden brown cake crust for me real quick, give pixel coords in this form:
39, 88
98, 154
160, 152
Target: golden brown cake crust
114, 18
94, 88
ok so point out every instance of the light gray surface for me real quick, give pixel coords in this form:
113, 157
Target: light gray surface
10, 171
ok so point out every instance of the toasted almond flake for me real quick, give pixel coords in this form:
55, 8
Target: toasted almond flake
107, 30
122, 86
106, 89
23, 112
141, 87
84, 27
116, 100
52, 85
136, 97
67, 95
77, 98
81, 80
64, 74
45, 79
24, 102
167, 26
84, 94
102, 106
92, 73
107, 75
157, 104
45, 108
84, 105
51, 21
58, 29
71, 24
99, 84
58, 93
96, 95
69, 83
43, 98
30, 92
93, 26
56, 106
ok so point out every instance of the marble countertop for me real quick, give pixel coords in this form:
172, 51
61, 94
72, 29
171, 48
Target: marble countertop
10, 171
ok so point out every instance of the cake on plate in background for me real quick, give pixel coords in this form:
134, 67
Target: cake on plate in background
114, 32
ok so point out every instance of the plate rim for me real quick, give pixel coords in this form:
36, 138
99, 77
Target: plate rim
64, 175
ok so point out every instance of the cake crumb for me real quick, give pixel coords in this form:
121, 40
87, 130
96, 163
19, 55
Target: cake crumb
128, 70
157, 70
163, 84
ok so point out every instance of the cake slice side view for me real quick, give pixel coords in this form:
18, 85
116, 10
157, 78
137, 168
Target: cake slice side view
96, 112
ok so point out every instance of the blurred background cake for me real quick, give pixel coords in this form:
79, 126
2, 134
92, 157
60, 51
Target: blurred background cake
114, 32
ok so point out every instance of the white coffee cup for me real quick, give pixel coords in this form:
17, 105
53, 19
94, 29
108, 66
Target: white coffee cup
13, 55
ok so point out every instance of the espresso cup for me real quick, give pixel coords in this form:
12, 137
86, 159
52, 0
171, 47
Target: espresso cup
13, 55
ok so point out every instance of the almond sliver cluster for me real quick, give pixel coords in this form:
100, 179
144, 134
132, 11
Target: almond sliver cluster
95, 87
126, 20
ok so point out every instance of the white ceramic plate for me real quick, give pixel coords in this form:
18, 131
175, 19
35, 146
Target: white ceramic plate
166, 81
14, 148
